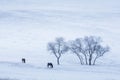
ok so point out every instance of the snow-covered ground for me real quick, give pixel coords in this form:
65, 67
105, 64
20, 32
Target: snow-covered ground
26, 26
17, 71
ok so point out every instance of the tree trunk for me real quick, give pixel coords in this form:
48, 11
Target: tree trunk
95, 60
86, 60
80, 58
90, 60
58, 61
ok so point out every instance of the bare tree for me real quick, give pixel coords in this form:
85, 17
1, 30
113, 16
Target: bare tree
75, 47
87, 49
82, 49
58, 48
93, 47
91, 43
100, 51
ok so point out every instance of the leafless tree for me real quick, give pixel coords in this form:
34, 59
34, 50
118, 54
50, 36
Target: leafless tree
90, 45
76, 47
87, 49
58, 48
93, 47
100, 51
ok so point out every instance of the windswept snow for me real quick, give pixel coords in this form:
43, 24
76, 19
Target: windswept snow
20, 71
26, 26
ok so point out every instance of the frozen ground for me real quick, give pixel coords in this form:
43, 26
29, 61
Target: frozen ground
26, 26
19, 71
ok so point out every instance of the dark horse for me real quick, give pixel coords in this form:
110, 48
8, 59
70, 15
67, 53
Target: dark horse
49, 65
23, 60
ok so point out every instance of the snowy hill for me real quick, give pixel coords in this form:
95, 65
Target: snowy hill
17, 71
26, 26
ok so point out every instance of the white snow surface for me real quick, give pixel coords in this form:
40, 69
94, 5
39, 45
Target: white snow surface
26, 26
